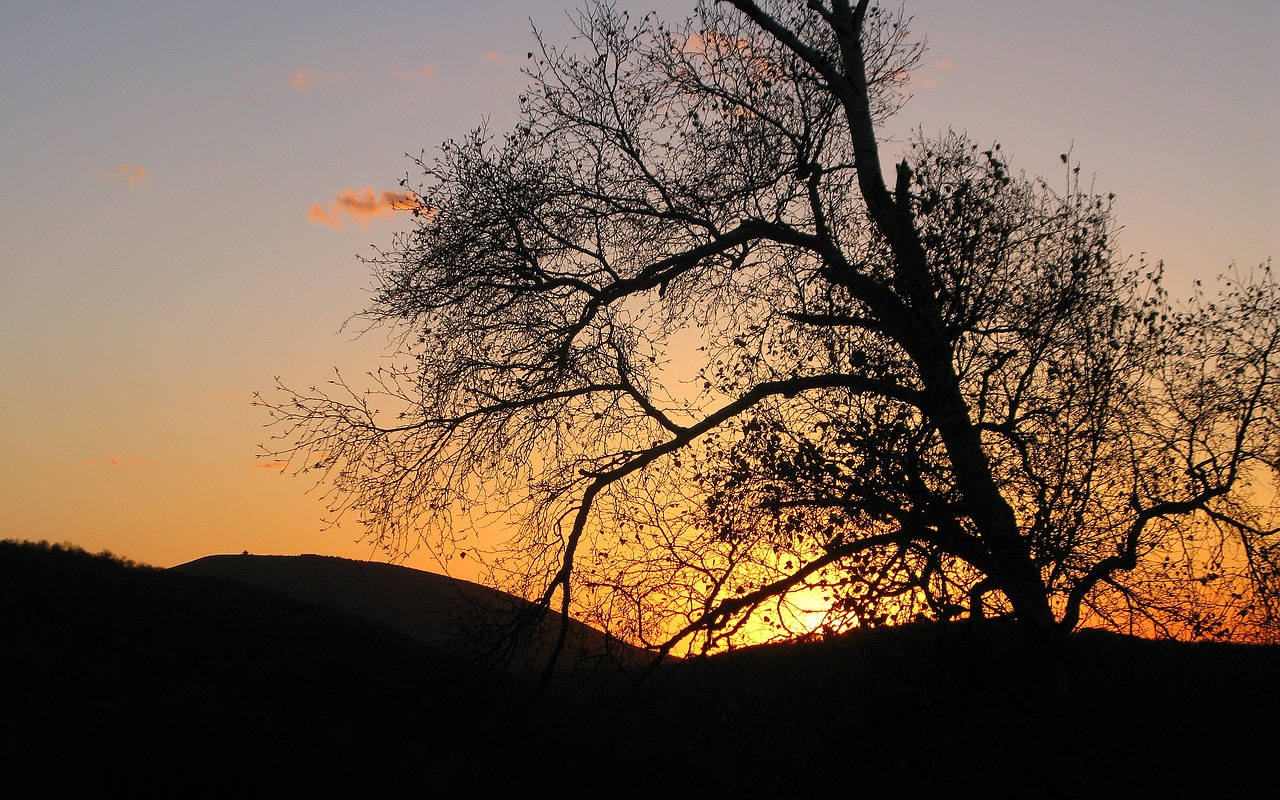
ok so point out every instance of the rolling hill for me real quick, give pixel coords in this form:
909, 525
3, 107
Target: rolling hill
309, 675
450, 614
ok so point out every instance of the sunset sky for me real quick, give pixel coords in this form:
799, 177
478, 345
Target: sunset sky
184, 188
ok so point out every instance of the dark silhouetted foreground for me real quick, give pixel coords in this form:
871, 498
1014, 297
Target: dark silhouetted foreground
123, 677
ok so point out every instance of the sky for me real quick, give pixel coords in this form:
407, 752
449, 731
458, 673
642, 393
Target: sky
184, 189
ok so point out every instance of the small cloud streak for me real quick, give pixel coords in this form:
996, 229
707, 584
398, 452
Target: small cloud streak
364, 205
304, 80
926, 80
496, 57
425, 75
274, 465
134, 174
120, 462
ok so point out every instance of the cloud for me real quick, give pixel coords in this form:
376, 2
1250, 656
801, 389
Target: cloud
712, 43
304, 79
496, 57
272, 465
323, 216
134, 174
926, 79
120, 462
362, 206
424, 75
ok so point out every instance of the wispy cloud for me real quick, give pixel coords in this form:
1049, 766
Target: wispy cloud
304, 80
323, 216
928, 77
496, 57
363, 206
273, 465
132, 173
425, 75
709, 43
120, 462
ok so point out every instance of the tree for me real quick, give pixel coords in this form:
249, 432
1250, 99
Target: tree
729, 377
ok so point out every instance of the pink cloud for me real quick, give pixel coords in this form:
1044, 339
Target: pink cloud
323, 216
304, 80
273, 465
928, 78
711, 42
134, 174
363, 205
495, 57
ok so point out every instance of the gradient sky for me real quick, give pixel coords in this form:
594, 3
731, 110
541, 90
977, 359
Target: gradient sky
184, 188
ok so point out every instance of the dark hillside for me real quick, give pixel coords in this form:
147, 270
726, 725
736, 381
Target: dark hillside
434, 609
126, 676
123, 677
935, 710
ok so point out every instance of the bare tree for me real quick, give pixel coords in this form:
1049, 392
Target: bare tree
733, 380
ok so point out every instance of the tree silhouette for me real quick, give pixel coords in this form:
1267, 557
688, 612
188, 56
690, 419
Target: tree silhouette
733, 380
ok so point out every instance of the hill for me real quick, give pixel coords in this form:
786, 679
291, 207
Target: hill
121, 678
447, 613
